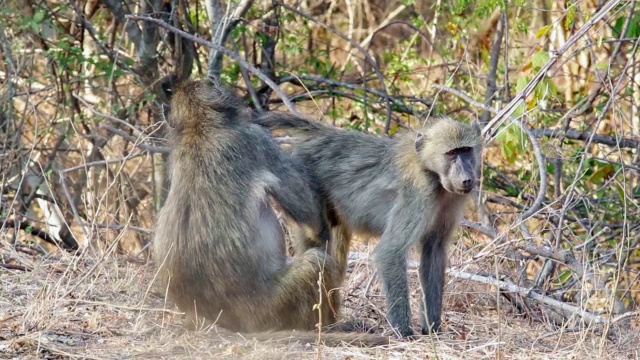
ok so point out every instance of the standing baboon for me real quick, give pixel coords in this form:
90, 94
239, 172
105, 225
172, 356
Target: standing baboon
410, 190
218, 242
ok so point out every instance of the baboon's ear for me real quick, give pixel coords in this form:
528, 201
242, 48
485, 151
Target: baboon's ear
476, 126
419, 141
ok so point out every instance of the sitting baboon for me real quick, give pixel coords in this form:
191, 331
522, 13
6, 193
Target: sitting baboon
407, 191
218, 243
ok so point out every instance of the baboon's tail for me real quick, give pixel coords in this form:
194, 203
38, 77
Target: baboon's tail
295, 124
327, 339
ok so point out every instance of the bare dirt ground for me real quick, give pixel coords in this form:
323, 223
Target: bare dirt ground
105, 306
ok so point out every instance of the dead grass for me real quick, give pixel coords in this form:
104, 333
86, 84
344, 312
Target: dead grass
98, 306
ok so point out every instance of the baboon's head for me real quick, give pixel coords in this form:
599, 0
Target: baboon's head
452, 150
196, 101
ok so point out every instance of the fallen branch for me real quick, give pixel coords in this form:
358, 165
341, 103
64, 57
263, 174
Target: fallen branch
14, 267
566, 309
68, 242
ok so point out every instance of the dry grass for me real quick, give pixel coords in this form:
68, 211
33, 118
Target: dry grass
105, 307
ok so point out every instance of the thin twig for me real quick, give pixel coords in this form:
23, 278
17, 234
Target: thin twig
136, 141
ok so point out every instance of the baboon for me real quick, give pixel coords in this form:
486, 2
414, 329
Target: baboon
407, 191
218, 242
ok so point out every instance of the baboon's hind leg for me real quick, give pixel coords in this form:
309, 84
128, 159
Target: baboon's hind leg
297, 292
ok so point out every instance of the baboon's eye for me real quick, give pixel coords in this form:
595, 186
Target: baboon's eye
458, 151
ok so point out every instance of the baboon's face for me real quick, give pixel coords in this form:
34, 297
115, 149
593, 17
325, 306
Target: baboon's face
460, 168
452, 150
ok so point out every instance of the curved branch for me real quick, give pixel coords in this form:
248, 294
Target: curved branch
542, 168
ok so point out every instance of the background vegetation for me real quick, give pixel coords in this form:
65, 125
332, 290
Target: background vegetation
548, 259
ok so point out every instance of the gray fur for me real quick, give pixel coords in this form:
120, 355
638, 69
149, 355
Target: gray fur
407, 191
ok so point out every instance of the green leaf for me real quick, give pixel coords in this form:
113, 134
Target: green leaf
571, 17
603, 172
539, 59
544, 31
521, 83
564, 276
513, 142
39, 16
620, 191
633, 30
519, 111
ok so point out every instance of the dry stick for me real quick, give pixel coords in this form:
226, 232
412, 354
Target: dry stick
582, 106
542, 168
132, 139
110, 53
491, 90
225, 51
247, 80
506, 112
93, 110
330, 82
574, 134
505, 286
382, 25
229, 22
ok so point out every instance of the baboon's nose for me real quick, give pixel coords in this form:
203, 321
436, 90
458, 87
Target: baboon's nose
467, 184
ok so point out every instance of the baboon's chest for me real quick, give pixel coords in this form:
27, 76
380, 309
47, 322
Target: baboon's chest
448, 211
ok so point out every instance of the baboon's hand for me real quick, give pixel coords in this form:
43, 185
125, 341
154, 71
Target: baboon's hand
324, 235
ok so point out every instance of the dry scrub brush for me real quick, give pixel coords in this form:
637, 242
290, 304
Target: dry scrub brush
547, 264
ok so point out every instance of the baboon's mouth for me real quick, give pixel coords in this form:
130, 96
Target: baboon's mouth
464, 191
